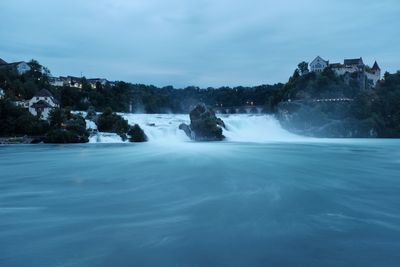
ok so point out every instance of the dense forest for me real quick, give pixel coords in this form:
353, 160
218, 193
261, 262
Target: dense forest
373, 112
127, 97
370, 112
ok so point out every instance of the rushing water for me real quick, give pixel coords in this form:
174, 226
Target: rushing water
164, 128
269, 202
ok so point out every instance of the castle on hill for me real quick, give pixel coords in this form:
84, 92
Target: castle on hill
367, 76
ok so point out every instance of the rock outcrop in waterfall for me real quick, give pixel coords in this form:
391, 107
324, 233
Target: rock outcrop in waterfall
204, 125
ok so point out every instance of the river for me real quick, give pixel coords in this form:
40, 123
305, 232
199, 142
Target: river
263, 197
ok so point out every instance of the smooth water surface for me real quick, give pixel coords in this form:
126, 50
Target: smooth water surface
328, 203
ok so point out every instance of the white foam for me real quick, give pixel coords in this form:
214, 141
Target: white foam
90, 125
255, 128
105, 138
164, 128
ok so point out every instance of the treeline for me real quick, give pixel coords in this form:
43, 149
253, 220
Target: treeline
371, 113
63, 126
139, 98
25, 86
15, 121
312, 85
151, 99
126, 97
117, 97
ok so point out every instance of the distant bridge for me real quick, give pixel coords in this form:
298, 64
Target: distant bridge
333, 100
321, 100
248, 109
239, 110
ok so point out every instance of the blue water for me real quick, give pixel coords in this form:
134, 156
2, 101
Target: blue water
208, 204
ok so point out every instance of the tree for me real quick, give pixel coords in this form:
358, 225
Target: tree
303, 68
113, 123
56, 118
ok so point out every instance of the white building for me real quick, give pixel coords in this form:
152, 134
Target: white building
72, 81
42, 104
77, 82
56, 81
20, 67
93, 82
318, 64
373, 75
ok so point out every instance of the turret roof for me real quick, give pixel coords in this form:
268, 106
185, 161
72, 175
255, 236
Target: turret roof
376, 66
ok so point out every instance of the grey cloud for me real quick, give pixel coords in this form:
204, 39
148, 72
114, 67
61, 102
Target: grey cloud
203, 42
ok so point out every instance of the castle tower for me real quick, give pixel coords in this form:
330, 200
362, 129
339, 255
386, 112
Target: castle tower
374, 74
376, 70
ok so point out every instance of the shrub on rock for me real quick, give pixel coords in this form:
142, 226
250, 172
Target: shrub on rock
66, 128
204, 125
112, 123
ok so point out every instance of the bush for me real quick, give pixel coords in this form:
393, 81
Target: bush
113, 123
27, 124
64, 136
18, 121
66, 128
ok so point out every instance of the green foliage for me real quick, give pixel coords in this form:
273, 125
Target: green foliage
385, 106
64, 136
15, 121
373, 113
66, 128
317, 86
150, 99
57, 118
117, 97
113, 123
21, 87
303, 68
28, 124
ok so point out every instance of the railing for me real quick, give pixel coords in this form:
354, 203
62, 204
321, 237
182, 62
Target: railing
239, 109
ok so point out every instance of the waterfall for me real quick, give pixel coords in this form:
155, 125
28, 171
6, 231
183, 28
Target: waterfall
163, 128
255, 128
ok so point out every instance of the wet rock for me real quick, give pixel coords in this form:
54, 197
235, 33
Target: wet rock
186, 128
136, 134
221, 123
204, 125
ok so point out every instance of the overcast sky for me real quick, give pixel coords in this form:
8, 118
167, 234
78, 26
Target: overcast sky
197, 42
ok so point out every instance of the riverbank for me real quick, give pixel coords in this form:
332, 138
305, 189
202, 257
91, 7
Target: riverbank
21, 140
